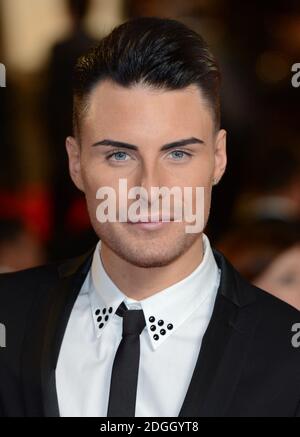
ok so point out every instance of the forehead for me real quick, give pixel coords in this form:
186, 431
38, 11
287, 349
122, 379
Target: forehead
140, 109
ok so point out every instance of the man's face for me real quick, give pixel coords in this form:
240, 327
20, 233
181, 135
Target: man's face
148, 119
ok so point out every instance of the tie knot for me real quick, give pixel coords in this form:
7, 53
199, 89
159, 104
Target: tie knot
133, 320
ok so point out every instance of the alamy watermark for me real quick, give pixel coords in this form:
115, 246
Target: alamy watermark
296, 336
184, 198
2, 336
296, 76
2, 76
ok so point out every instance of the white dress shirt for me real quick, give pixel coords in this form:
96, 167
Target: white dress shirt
168, 354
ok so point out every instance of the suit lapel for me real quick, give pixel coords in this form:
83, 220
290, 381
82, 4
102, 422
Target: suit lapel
44, 337
224, 347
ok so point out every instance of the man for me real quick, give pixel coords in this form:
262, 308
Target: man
152, 322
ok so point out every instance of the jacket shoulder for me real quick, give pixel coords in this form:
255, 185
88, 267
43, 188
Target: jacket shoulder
25, 281
241, 292
18, 289
272, 304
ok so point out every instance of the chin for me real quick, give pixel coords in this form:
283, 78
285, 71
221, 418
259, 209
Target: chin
149, 257
154, 251
149, 262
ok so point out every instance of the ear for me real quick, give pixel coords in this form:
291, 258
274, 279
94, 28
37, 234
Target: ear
220, 156
74, 154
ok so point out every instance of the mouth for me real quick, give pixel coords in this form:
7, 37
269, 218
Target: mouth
151, 224
152, 220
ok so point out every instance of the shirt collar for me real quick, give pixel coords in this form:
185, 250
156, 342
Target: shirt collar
166, 310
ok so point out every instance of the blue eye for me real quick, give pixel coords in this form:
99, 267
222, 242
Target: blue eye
179, 154
119, 156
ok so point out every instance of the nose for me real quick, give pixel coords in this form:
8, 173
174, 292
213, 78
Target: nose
150, 176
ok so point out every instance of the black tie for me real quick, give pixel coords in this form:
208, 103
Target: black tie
123, 385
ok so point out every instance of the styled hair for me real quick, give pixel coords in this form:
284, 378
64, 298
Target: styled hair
159, 52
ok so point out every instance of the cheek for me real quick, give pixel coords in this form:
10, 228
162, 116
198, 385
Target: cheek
200, 176
94, 177
202, 169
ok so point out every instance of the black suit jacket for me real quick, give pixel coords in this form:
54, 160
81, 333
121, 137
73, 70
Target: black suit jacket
247, 365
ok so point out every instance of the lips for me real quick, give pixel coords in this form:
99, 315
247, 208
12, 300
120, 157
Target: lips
151, 225
147, 220
148, 226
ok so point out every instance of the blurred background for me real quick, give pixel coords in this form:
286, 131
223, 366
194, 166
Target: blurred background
256, 208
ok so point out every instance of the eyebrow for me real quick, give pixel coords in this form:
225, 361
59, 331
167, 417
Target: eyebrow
121, 144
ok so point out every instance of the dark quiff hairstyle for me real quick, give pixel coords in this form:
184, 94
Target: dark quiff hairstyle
159, 52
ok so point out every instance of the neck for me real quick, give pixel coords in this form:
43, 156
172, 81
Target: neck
139, 283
